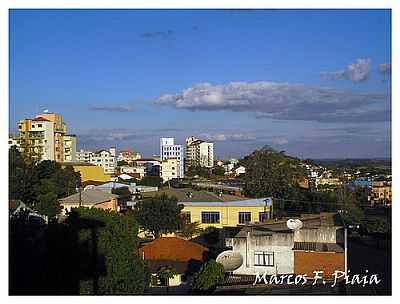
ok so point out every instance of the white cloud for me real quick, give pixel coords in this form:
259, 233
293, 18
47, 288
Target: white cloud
356, 72
283, 101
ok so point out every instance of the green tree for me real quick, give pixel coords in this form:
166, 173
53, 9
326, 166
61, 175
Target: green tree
166, 273
22, 177
218, 170
48, 204
159, 214
200, 171
190, 229
208, 277
111, 241
270, 173
152, 181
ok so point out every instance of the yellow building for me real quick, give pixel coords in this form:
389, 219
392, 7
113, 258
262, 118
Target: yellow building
228, 214
90, 172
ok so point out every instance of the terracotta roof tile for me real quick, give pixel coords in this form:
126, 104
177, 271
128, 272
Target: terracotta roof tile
172, 249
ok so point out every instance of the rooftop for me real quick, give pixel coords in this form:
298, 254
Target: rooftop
197, 196
172, 249
89, 196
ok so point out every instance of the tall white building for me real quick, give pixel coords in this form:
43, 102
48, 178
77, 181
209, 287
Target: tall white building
199, 153
168, 149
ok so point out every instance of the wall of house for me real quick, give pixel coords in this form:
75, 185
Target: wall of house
280, 244
229, 215
305, 262
321, 235
95, 173
112, 205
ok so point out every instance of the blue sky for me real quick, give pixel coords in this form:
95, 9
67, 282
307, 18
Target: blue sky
315, 83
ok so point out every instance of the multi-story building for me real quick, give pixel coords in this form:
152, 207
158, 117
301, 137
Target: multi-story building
129, 156
199, 153
169, 169
42, 136
168, 149
102, 158
105, 159
70, 148
84, 156
381, 193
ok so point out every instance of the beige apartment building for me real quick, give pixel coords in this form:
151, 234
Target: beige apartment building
44, 136
169, 169
199, 153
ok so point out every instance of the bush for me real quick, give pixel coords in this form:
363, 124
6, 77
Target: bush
208, 277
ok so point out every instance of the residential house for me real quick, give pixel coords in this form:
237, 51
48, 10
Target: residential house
229, 213
91, 198
273, 248
185, 257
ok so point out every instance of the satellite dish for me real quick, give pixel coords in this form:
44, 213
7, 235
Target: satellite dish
230, 260
294, 224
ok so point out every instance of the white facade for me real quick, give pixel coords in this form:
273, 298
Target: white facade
276, 247
102, 158
83, 156
168, 149
199, 153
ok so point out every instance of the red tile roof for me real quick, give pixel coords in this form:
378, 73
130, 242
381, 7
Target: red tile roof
172, 249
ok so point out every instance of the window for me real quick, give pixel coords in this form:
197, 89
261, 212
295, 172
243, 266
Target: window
264, 258
186, 216
263, 216
244, 217
210, 217
39, 125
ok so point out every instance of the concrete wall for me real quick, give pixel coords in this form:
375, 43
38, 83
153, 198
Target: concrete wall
320, 235
280, 244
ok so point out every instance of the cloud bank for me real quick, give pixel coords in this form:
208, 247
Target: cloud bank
283, 101
356, 72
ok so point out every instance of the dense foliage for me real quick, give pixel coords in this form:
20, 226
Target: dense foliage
208, 277
40, 184
199, 171
159, 214
271, 174
110, 242
152, 181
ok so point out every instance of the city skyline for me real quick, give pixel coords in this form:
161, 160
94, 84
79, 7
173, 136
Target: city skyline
241, 79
